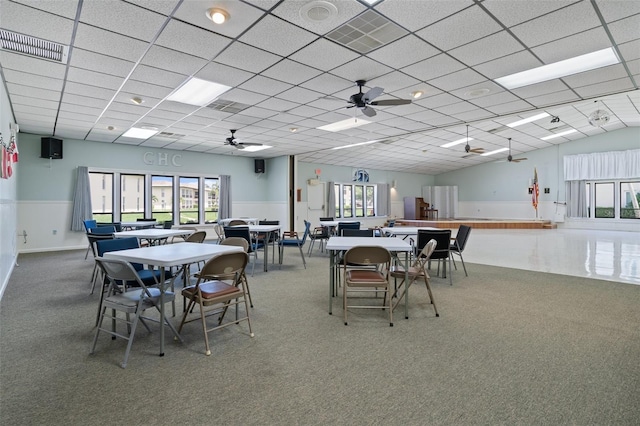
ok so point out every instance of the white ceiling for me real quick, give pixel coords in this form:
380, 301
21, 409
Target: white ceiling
289, 73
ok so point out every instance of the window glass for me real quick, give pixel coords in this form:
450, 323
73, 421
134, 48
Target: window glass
189, 212
359, 200
630, 200
336, 189
162, 198
132, 205
211, 200
347, 195
101, 196
370, 200
604, 205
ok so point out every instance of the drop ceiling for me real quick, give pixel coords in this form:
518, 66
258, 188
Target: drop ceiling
293, 65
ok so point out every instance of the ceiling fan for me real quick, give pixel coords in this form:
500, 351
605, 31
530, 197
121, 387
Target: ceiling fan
364, 101
510, 158
469, 150
232, 141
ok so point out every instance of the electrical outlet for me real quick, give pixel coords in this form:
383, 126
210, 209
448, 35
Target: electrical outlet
55, 232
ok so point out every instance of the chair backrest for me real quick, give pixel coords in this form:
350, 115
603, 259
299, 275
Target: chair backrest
427, 251
326, 219
443, 240
347, 225
103, 230
196, 237
462, 236
241, 232
145, 219
116, 244
224, 266
268, 222
391, 223
236, 222
219, 231
367, 255
236, 241
167, 224
116, 225
307, 228
120, 271
357, 232
94, 238
89, 224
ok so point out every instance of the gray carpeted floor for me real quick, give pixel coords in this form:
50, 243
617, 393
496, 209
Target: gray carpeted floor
510, 347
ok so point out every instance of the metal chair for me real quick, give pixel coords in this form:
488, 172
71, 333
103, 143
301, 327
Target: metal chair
88, 224
347, 225
441, 252
212, 290
121, 299
273, 239
319, 233
459, 243
240, 242
372, 276
291, 239
243, 232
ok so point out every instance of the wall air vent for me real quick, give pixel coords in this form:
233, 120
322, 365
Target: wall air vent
367, 32
27, 45
227, 106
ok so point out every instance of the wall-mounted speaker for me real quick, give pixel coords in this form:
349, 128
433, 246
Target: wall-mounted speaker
51, 148
259, 166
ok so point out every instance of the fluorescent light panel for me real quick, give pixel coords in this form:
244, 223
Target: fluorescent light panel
454, 143
254, 148
557, 135
528, 120
349, 123
495, 151
138, 133
587, 62
357, 144
198, 92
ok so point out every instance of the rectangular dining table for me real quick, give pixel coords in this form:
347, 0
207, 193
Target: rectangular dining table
405, 231
153, 235
268, 230
139, 224
167, 256
395, 245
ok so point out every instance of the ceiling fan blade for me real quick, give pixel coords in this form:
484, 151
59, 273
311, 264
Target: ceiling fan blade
517, 160
369, 112
385, 102
238, 146
249, 144
373, 93
477, 150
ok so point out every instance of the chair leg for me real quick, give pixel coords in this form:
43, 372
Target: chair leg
463, 265
304, 262
246, 283
433, 301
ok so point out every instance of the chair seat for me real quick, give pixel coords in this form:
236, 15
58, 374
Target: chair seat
398, 272
212, 289
290, 242
363, 276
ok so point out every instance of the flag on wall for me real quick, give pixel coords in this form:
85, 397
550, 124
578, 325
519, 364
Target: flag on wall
536, 191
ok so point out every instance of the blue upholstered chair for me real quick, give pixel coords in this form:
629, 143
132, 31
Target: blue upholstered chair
254, 245
291, 239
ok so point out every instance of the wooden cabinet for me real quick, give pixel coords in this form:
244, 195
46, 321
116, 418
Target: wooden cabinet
416, 209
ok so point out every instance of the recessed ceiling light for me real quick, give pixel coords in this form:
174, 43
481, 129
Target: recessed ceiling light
139, 133
454, 143
344, 124
136, 100
557, 135
198, 92
293, 129
475, 93
495, 151
417, 94
218, 16
254, 148
110, 128
590, 61
528, 120
357, 144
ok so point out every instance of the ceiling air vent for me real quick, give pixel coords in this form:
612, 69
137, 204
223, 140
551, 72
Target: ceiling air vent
171, 135
367, 32
227, 106
27, 45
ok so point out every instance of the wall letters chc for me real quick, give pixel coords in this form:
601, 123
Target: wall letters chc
161, 159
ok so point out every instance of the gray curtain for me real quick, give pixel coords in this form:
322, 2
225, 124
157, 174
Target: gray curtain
331, 199
576, 193
383, 206
224, 207
81, 200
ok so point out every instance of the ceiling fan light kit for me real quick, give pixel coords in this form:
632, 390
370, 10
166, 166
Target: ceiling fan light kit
218, 16
599, 117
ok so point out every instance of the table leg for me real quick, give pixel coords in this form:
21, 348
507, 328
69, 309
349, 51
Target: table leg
162, 316
267, 238
331, 278
406, 283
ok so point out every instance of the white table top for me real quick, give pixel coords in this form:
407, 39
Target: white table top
138, 224
345, 243
408, 230
259, 228
335, 222
153, 233
171, 254
226, 221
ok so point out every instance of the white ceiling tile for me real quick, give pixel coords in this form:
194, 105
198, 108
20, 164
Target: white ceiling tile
299, 94
440, 34
192, 40
512, 12
292, 11
36, 23
83, 101
167, 59
421, 13
575, 45
275, 104
100, 41
408, 50
605, 88
122, 18
42, 103
93, 78
327, 83
612, 72
509, 107
241, 16
223, 74
540, 88
291, 72
433, 67
265, 85
160, 77
87, 60
626, 29
33, 92
553, 98
456, 80
324, 55
392, 82
145, 89
486, 49
24, 63
509, 64
277, 36
33, 80
572, 19
243, 56
494, 99
614, 10
361, 69
243, 96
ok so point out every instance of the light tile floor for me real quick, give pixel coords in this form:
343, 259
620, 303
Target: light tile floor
605, 255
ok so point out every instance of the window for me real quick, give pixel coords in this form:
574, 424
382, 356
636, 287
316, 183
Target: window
211, 200
630, 200
603, 200
162, 198
355, 200
131, 208
188, 211
101, 196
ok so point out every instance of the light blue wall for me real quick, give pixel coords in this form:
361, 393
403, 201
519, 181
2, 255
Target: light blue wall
43, 179
505, 181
